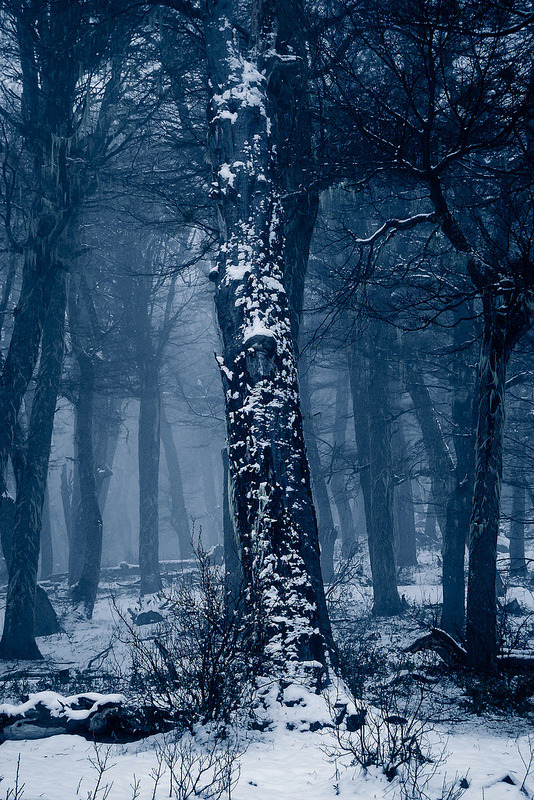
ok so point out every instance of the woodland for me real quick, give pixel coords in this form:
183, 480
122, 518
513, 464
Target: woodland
266, 398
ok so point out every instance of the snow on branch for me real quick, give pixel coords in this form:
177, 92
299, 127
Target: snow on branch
395, 225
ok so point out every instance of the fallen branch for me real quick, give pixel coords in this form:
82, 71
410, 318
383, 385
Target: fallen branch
455, 655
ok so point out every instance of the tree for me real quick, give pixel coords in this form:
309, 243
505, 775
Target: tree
273, 513
438, 96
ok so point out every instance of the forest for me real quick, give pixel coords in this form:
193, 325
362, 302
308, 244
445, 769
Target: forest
266, 399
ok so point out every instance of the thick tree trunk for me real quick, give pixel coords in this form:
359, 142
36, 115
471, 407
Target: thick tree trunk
325, 522
148, 458
88, 522
18, 639
46, 106
179, 517
273, 511
481, 631
338, 482
381, 540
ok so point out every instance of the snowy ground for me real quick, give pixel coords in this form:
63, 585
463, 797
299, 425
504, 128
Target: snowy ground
487, 757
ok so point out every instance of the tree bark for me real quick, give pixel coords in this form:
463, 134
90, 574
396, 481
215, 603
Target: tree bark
359, 385
439, 458
518, 564
233, 572
179, 517
403, 505
505, 319
338, 482
88, 521
460, 500
325, 522
273, 511
47, 550
107, 425
148, 458
381, 540
46, 109
18, 639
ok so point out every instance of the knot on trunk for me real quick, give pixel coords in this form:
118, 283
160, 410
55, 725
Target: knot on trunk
260, 350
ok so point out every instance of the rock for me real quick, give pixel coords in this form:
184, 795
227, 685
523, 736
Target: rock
216, 555
148, 618
121, 724
513, 608
355, 721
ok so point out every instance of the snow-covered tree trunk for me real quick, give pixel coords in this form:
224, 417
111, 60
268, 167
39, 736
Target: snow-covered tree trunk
273, 512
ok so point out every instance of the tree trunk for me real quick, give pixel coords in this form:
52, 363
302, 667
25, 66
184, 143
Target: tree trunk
359, 385
233, 572
518, 565
88, 522
273, 511
47, 550
404, 524
338, 482
107, 422
18, 639
431, 522
403, 505
460, 500
213, 510
481, 631
439, 458
325, 523
381, 541
148, 457
46, 107
70, 500
179, 517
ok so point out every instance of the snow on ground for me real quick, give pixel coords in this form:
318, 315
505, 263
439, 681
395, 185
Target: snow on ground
492, 754
284, 765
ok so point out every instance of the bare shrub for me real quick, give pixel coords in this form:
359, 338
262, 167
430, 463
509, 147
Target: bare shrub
208, 769
201, 661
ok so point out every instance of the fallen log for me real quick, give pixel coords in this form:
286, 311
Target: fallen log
96, 717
